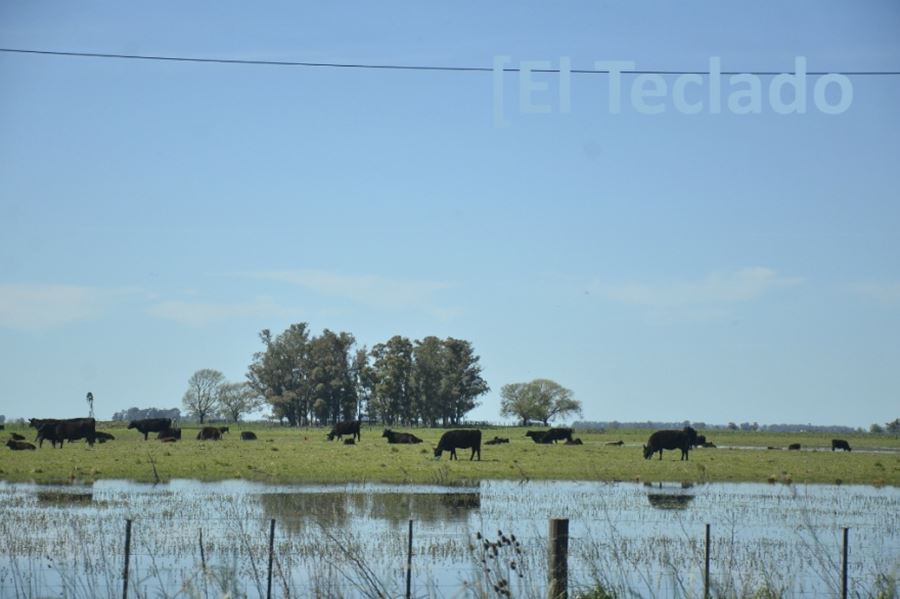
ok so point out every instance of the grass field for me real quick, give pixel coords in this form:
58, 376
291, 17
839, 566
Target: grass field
285, 455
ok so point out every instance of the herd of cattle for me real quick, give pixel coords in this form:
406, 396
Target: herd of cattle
58, 431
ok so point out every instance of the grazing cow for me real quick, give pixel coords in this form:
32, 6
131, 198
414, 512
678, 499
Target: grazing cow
345, 428
151, 425
16, 437
550, 436
459, 439
104, 437
794, 446
573, 442
840, 444
169, 433
223, 429
393, 437
248, 436
19, 445
72, 429
669, 439
209, 433
619, 442
496, 441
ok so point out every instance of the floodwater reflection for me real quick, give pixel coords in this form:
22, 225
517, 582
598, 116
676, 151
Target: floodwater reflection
340, 509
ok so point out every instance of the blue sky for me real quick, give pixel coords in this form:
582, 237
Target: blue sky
154, 216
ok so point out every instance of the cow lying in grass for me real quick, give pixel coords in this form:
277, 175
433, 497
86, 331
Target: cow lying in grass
19, 445
393, 437
169, 433
496, 441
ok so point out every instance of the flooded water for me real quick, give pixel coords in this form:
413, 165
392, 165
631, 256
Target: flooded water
351, 540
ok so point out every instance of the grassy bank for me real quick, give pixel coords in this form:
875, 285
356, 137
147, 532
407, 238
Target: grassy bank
304, 456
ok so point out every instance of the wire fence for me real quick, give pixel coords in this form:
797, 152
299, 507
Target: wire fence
212, 556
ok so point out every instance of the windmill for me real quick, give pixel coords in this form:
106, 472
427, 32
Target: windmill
90, 400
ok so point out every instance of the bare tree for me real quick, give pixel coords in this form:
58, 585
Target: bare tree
202, 395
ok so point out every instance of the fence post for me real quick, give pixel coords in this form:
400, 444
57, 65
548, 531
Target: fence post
127, 559
559, 554
706, 567
409, 564
271, 557
844, 564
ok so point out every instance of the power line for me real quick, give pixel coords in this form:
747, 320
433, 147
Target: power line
399, 67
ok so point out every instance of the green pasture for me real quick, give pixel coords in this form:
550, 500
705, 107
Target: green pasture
286, 455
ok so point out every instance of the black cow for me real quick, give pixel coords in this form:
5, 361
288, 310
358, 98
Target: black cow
550, 436
104, 437
19, 445
209, 433
345, 428
350, 441
72, 429
248, 436
393, 437
459, 439
47, 432
668, 439
169, 433
794, 447
16, 437
496, 441
700, 441
574, 442
840, 444
151, 425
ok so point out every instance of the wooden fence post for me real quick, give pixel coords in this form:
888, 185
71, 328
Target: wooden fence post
706, 567
127, 559
844, 564
409, 564
559, 558
271, 557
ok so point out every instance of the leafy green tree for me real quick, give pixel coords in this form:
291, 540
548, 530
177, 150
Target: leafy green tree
516, 401
428, 380
237, 399
893, 427
392, 370
331, 377
876, 428
540, 400
364, 379
462, 380
201, 397
281, 374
